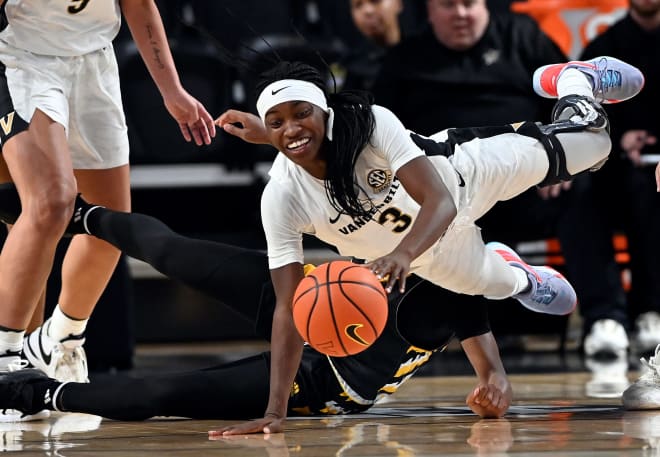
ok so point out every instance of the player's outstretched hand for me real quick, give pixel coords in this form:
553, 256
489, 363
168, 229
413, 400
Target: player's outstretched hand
195, 122
245, 126
264, 425
392, 268
488, 401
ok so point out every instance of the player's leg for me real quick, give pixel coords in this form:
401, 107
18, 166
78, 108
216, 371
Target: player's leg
98, 142
88, 264
577, 140
38, 314
88, 260
579, 133
462, 263
40, 165
237, 390
236, 276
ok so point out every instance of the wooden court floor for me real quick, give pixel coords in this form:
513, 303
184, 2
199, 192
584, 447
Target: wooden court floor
551, 416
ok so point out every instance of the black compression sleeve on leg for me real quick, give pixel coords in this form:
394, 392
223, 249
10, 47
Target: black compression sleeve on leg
236, 276
234, 391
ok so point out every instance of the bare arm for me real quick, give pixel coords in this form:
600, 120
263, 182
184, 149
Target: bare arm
146, 26
251, 130
286, 352
423, 183
493, 394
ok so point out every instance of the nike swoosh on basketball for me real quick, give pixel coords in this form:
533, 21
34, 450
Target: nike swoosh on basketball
351, 331
273, 92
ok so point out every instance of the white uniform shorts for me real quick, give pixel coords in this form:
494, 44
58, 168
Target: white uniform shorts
81, 93
483, 171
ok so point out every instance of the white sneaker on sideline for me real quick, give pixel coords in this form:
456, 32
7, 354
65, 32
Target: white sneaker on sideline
609, 378
648, 331
645, 392
607, 337
63, 360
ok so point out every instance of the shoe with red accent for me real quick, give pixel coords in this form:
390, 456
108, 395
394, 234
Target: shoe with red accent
549, 291
612, 80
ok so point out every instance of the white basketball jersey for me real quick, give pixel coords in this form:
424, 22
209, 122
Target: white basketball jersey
294, 202
60, 27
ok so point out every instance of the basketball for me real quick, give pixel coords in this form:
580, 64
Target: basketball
340, 308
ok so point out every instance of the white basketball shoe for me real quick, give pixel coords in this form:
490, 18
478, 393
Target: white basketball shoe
63, 360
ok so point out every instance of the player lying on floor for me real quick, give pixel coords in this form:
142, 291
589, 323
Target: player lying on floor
417, 328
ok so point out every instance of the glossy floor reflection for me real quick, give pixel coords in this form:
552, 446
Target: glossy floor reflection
552, 415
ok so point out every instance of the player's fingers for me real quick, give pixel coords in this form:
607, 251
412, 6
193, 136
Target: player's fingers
207, 120
376, 269
394, 276
202, 131
185, 131
199, 130
474, 396
219, 431
228, 117
485, 399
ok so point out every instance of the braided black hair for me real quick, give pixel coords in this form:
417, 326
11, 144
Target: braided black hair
353, 126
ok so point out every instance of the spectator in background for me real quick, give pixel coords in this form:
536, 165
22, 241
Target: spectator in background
379, 22
468, 67
633, 204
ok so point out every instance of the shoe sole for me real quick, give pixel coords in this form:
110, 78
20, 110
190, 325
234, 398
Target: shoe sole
17, 417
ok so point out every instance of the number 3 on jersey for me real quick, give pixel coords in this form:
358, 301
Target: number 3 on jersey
401, 221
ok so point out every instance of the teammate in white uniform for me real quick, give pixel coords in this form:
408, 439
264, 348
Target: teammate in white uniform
63, 131
350, 174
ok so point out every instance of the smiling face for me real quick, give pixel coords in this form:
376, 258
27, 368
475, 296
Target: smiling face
297, 129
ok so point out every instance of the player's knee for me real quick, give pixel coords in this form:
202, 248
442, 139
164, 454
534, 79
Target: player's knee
52, 211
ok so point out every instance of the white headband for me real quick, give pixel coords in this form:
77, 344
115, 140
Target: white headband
287, 90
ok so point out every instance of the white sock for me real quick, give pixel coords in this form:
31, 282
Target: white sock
522, 281
11, 341
573, 82
62, 326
